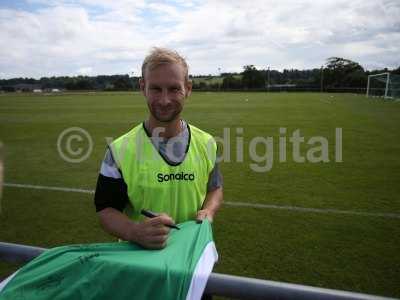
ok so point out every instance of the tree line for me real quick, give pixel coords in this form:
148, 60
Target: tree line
335, 74
100, 82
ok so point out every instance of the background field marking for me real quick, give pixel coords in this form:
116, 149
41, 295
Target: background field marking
310, 209
229, 203
51, 188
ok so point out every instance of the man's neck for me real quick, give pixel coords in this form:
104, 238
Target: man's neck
169, 129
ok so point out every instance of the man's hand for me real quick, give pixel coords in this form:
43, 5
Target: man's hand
211, 205
152, 233
204, 213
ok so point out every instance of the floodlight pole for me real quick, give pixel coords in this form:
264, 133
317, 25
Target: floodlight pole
219, 74
322, 79
368, 87
387, 84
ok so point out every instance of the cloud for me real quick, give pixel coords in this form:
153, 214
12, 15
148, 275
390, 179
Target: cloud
85, 71
63, 37
277, 33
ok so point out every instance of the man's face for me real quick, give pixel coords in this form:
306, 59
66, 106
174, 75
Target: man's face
165, 90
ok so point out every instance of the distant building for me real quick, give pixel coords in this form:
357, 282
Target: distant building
286, 85
26, 87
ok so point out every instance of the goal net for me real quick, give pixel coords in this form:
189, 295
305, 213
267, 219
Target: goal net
384, 85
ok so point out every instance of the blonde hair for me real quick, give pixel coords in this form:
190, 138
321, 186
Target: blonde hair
160, 56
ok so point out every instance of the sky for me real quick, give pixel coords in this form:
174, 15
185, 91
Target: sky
91, 37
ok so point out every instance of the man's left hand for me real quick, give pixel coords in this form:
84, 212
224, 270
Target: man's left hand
204, 213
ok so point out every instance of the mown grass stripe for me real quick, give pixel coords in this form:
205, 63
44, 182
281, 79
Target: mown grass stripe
229, 203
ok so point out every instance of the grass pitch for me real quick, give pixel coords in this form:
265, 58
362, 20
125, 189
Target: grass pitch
349, 251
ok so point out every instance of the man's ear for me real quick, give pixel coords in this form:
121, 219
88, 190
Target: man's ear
189, 85
142, 85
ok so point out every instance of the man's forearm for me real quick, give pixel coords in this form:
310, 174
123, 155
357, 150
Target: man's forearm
213, 202
117, 223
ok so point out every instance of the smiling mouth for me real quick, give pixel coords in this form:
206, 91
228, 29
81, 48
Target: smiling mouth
164, 109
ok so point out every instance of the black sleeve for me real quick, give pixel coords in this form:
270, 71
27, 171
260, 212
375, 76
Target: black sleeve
110, 192
215, 180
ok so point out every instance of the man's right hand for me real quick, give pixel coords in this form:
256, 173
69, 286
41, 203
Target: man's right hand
151, 233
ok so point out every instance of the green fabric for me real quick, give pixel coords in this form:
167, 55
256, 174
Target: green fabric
144, 171
114, 270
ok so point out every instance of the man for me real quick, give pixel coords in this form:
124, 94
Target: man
164, 165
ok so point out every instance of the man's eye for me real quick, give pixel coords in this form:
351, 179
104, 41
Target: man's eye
175, 89
155, 89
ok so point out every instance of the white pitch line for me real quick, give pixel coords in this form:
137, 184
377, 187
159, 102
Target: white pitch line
50, 188
310, 209
229, 203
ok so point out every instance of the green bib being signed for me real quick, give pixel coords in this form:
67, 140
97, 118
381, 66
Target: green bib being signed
119, 271
155, 184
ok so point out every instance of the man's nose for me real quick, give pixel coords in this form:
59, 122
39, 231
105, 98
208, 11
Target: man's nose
165, 99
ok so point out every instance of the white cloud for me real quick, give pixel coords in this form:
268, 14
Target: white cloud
85, 71
67, 36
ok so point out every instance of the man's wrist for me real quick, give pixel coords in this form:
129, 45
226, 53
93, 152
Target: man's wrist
205, 213
210, 214
131, 232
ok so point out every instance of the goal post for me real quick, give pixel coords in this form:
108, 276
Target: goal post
384, 85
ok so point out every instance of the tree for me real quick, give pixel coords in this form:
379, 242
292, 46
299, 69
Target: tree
341, 72
252, 78
396, 71
231, 82
123, 83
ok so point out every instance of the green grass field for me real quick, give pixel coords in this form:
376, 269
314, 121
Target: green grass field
356, 252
